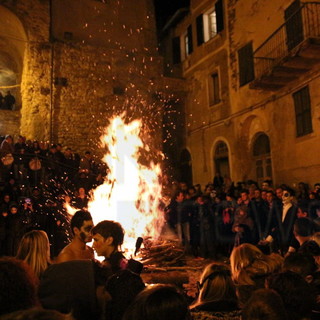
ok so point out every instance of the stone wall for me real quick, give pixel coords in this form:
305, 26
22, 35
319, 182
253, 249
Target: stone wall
71, 86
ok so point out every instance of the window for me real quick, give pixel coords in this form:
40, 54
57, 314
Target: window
261, 154
302, 107
214, 89
188, 41
212, 22
246, 67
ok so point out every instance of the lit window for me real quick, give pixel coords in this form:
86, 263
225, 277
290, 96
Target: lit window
212, 21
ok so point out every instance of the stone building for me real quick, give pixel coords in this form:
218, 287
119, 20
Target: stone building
72, 64
251, 70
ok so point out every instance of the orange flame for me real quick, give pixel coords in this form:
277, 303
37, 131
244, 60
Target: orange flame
131, 193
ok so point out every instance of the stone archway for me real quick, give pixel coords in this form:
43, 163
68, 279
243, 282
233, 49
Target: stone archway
262, 156
13, 42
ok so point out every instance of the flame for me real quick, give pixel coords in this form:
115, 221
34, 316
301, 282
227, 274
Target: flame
131, 194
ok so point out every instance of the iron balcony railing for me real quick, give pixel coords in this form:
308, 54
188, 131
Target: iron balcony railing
302, 25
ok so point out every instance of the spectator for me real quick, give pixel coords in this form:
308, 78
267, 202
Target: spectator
34, 249
157, 303
17, 286
217, 295
264, 304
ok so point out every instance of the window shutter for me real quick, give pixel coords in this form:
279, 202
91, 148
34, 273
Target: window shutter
176, 51
219, 13
190, 46
200, 35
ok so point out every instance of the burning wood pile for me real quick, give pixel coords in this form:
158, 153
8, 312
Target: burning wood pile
161, 253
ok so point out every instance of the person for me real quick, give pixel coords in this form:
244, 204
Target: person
107, 240
243, 226
281, 235
81, 225
250, 267
217, 294
9, 101
296, 293
37, 314
264, 304
157, 303
123, 287
18, 286
179, 218
34, 249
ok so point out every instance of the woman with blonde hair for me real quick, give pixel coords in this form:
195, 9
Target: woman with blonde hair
250, 267
34, 249
217, 295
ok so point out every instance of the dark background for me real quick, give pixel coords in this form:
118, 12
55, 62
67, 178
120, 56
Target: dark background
166, 8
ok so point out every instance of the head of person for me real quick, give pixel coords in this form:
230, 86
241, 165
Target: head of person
17, 286
303, 228
37, 314
264, 304
179, 196
302, 264
302, 212
249, 264
297, 295
287, 196
269, 196
216, 285
244, 195
81, 225
34, 249
279, 192
157, 303
107, 237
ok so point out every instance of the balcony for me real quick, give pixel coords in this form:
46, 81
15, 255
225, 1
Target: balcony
290, 52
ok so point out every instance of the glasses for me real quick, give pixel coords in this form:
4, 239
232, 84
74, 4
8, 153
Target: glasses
286, 195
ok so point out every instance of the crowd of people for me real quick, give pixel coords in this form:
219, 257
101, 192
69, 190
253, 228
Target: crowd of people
210, 223
253, 285
36, 180
261, 246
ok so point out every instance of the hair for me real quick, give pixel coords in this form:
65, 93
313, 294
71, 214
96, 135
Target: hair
78, 218
216, 285
112, 229
248, 262
37, 314
157, 303
304, 227
301, 263
34, 249
123, 287
264, 304
17, 286
297, 295
316, 237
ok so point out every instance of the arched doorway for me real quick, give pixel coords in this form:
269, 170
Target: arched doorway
262, 157
221, 159
13, 42
186, 167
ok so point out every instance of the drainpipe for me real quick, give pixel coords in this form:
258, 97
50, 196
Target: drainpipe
51, 40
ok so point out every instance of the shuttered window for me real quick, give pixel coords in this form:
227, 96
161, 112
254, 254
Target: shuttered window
246, 66
303, 111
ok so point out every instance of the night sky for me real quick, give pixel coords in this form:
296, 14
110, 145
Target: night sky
166, 8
